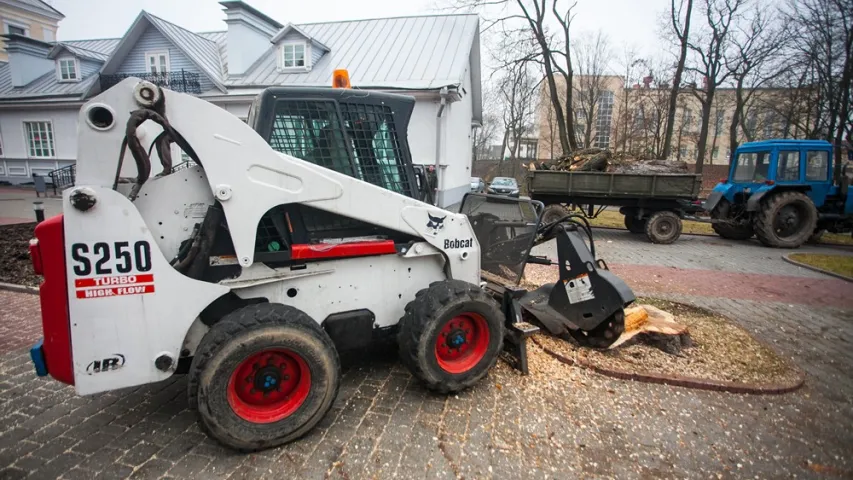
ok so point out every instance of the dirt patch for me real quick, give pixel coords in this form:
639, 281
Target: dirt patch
721, 351
15, 264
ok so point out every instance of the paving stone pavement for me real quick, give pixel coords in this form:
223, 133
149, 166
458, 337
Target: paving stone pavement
560, 422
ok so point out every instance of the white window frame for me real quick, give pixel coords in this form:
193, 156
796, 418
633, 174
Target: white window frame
46, 32
30, 150
2, 150
157, 55
14, 23
76, 70
296, 68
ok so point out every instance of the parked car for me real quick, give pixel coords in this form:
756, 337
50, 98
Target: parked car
504, 186
478, 185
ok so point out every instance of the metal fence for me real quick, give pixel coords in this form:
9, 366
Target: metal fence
179, 81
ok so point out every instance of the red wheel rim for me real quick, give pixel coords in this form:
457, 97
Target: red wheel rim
462, 342
269, 385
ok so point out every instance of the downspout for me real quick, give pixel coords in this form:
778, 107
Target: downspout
443, 94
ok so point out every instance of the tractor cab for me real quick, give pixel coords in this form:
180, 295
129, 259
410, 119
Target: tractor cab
760, 167
783, 191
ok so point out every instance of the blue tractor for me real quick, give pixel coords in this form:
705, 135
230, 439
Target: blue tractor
785, 192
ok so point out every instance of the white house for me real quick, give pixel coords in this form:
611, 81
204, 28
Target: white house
435, 59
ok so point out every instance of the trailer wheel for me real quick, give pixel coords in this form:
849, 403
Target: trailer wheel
731, 231
264, 375
553, 213
451, 335
786, 220
634, 224
663, 227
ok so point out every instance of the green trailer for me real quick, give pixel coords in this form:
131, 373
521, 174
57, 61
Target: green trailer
653, 204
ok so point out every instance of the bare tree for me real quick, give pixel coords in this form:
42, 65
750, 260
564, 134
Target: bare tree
749, 62
821, 51
709, 48
534, 17
517, 93
592, 54
681, 30
628, 62
651, 107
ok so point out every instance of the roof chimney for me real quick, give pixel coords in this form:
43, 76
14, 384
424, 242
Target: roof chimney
27, 59
249, 34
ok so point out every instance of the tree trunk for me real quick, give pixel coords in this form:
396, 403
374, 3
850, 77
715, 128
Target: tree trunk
703, 132
736, 116
676, 81
504, 145
570, 116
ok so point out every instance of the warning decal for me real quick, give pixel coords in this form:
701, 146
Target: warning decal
579, 289
99, 287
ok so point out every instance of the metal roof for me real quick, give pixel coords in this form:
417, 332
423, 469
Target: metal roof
44, 86
412, 53
426, 52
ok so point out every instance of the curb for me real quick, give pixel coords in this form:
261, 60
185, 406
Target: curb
680, 381
813, 268
13, 287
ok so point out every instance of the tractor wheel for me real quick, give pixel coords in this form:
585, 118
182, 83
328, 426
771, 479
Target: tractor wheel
635, 225
786, 220
730, 231
663, 227
451, 335
264, 375
553, 213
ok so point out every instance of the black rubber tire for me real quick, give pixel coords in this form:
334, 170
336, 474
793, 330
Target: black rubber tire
553, 213
727, 230
663, 227
763, 221
422, 323
635, 225
246, 331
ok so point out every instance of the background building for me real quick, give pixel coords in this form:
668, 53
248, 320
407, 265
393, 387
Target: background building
43, 84
28, 18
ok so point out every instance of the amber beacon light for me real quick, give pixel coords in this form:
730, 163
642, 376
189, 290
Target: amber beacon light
340, 79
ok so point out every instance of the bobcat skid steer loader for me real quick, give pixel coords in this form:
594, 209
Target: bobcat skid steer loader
248, 268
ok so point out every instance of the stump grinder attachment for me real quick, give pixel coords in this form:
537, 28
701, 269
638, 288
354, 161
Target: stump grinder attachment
587, 301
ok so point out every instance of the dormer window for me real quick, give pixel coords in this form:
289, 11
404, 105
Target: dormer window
294, 56
68, 70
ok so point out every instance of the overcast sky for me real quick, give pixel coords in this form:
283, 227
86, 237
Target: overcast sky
631, 22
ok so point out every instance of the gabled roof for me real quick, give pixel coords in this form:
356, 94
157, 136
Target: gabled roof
425, 52
293, 28
202, 52
37, 6
77, 52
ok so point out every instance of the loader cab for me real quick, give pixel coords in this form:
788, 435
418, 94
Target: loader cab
358, 133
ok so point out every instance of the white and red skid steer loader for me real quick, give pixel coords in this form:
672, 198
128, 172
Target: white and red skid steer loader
278, 243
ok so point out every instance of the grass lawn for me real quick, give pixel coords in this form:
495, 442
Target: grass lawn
610, 218
840, 264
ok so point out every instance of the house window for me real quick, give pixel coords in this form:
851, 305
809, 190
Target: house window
604, 120
14, 28
49, 36
68, 70
293, 55
39, 139
157, 62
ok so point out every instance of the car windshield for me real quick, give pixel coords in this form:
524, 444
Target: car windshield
503, 182
752, 167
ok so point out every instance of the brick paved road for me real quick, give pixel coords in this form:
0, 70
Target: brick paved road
385, 425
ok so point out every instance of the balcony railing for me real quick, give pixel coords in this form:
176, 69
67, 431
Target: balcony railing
179, 81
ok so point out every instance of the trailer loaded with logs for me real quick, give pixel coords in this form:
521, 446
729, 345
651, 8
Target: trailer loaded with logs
653, 204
